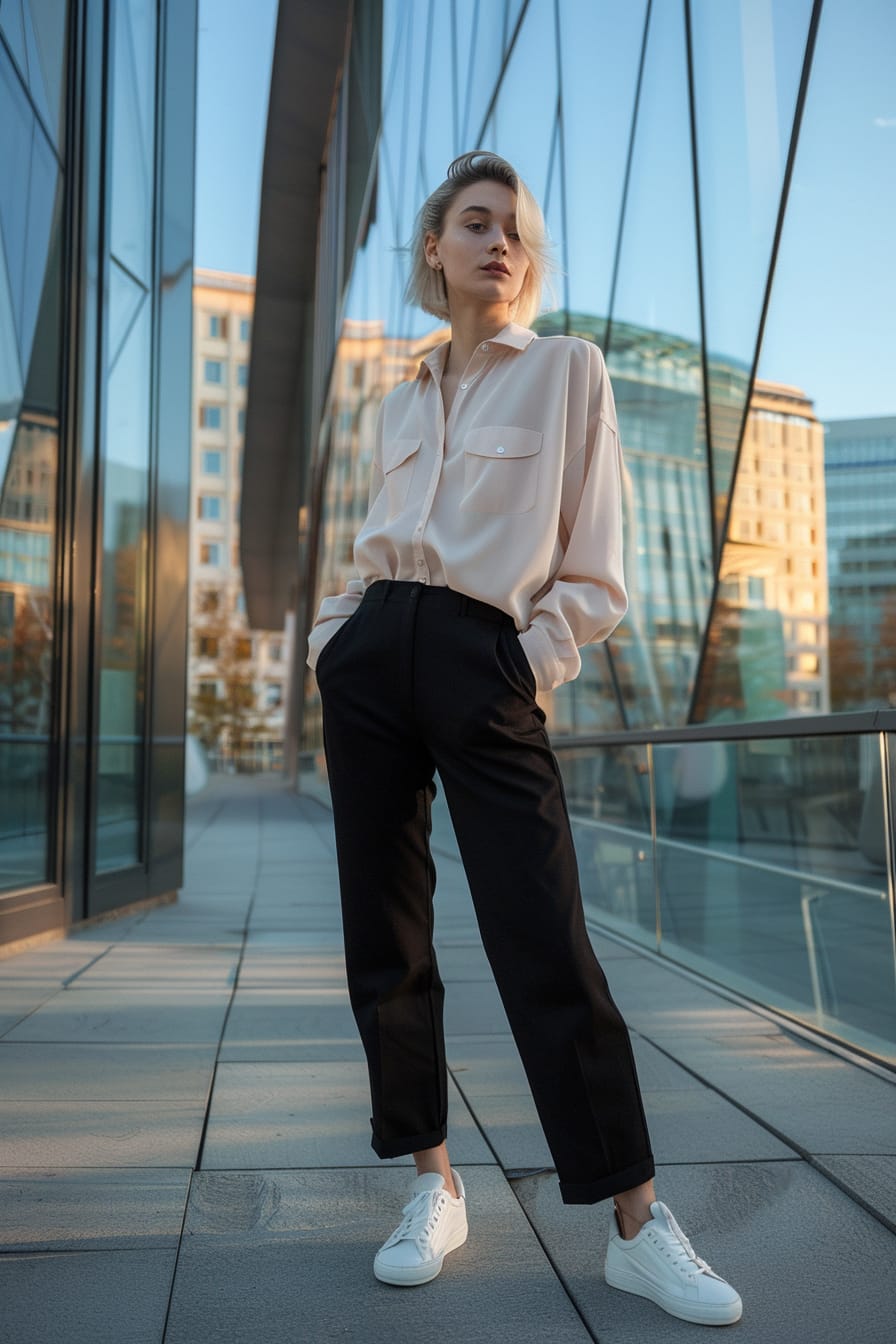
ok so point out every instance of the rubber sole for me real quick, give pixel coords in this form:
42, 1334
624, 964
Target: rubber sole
698, 1313
412, 1276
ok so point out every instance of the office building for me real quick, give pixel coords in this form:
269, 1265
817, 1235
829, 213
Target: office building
236, 682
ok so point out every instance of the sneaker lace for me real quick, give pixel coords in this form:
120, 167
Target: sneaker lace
421, 1215
682, 1252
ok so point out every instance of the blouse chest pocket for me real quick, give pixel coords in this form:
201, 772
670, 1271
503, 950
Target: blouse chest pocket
399, 456
501, 465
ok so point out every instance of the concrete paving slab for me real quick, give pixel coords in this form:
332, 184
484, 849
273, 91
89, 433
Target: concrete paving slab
284, 1115
474, 1009
18, 1003
82, 1134
291, 967
490, 1065
92, 1210
811, 1267
286, 1256
309, 1050
42, 1071
146, 965
158, 1014
463, 965
697, 1125
693, 1125
871, 1179
267, 1016
196, 932
819, 1101
487, 1066
286, 939
298, 918
92, 1297
513, 1129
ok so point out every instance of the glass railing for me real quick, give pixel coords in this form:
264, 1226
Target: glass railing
760, 857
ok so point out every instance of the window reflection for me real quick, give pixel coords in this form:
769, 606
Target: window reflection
27, 537
30, 118
772, 871
126, 448
767, 651
760, 549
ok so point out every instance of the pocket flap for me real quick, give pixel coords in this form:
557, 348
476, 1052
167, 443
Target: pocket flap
396, 451
503, 441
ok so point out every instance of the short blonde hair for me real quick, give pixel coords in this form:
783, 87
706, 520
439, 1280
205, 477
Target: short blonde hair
426, 286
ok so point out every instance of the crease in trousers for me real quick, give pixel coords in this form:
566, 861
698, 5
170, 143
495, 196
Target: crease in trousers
421, 679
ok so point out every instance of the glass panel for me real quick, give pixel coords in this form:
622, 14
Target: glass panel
126, 298
120, 756
44, 193
16, 134
27, 608
521, 127
772, 872
126, 450
597, 116
609, 803
36, 82
654, 361
133, 104
49, 33
14, 32
588, 704
10, 369
747, 65
479, 59
805, 620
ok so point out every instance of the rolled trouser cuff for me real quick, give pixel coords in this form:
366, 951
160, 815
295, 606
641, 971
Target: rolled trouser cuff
417, 1143
592, 1192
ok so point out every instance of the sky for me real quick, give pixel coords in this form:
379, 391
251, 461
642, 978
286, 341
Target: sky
829, 326
236, 42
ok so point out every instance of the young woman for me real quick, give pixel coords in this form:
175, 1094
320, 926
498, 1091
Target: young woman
492, 549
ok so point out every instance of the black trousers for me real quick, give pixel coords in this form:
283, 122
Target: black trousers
419, 679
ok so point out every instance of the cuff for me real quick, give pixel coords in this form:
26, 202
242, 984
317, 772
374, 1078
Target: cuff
320, 635
550, 667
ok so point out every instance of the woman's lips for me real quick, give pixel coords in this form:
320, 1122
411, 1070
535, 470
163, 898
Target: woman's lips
497, 270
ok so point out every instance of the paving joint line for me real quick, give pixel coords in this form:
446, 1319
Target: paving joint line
803, 1153
547, 1254
200, 1152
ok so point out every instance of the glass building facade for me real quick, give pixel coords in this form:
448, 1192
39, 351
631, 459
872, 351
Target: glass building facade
719, 181
96, 238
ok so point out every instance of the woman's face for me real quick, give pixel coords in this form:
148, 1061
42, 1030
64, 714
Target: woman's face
478, 239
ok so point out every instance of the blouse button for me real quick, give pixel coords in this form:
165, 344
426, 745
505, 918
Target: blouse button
485, 346
463, 384
499, 449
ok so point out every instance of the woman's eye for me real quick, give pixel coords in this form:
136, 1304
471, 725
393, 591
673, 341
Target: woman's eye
476, 224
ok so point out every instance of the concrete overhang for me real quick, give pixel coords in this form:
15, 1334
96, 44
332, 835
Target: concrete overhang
309, 51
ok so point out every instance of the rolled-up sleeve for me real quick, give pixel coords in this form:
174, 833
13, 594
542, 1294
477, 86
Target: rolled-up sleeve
586, 598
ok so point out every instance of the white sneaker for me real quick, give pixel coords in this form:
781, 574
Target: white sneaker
433, 1224
660, 1263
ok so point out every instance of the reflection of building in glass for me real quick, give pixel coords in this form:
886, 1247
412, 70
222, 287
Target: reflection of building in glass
726, 560
860, 476
97, 108
236, 678
27, 540
767, 647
